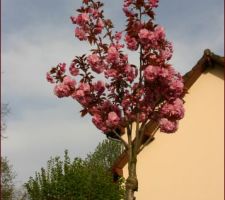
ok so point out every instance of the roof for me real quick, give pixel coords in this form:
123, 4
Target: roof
208, 60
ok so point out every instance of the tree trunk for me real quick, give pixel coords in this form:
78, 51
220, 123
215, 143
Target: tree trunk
131, 182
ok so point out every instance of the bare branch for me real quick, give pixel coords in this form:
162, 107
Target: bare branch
137, 134
141, 134
122, 140
129, 138
150, 139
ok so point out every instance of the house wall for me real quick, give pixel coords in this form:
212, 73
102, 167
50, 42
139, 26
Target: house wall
189, 164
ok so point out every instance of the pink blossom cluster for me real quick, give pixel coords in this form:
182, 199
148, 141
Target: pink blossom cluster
82, 94
151, 72
56, 73
88, 17
143, 34
131, 73
96, 63
164, 74
66, 88
74, 71
106, 116
131, 42
171, 112
117, 64
49, 78
169, 82
113, 55
167, 52
153, 3
168, 126
151, 38
131, 101
151, 91
99, 87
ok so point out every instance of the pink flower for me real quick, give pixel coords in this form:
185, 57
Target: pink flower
130, 73
94, 12
178, 102
91, 10
81, 97
172, 72
99, 68
119, 46
73, 70
177, 85
178, 108
111, 73
154, 3
49, 78
79, 94
160, 32
167, 126
98, 122
150, 73
99, 87
143, 34
85, 87
80, 34
69, 82
86, 1
163, 72
113, 119
113, 55
81, 19
167, 53
66, 88
62, 67
99, 26
126, 102
147, 36
174, 110
93, 59
131, 43
152, 37
127, 3
62, 90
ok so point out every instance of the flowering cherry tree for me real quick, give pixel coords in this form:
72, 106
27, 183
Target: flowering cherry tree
115, 92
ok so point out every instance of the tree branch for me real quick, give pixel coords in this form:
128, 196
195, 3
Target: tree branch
122, 140
151, 137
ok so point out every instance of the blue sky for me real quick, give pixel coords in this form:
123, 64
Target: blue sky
38, 34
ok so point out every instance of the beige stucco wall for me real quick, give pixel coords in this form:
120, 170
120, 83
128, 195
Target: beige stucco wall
188, 165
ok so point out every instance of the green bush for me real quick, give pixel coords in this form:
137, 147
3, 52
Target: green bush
82, 179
